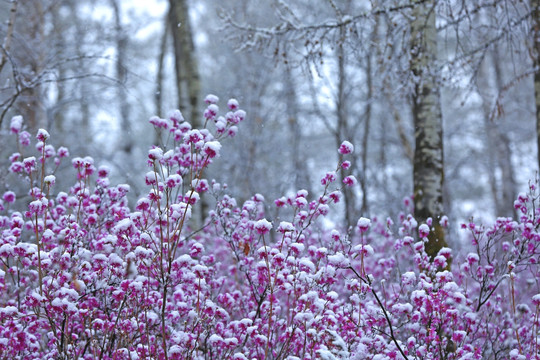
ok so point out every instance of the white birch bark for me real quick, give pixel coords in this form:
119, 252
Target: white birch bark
428, 172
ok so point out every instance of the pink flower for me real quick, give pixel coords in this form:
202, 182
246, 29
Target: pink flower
211, 99
363, 224
346, 148
328, 178
423, 231
211, 111
16, 124
211, 149
233, 104
63, 152
42, 135
350, 180
9, 197
263, 226
24, 138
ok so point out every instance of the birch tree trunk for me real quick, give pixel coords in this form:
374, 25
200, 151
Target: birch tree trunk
428, 171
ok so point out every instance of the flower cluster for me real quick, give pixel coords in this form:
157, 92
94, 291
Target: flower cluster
83, 275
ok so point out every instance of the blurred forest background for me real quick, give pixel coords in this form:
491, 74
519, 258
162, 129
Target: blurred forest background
308, 73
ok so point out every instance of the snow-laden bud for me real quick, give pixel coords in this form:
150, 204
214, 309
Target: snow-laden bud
363, 224
150, 178
42, 135
9, 197
211, 112
168, 155
350, 180
211, 149
49, 180
328, 178
263, 226
155, 154
158, 122
285, 226
176, 116
346, 148
211, 99
63, 152
16, 124
423, 230
173, 181
233, 104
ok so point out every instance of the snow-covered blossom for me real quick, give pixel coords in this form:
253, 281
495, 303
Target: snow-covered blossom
212, 148
9, 197
263, 226
232, 104
423, 230
155, 154
346, 148
350, 180
363, 224
211, 99
42, 135
16, 124
49, 179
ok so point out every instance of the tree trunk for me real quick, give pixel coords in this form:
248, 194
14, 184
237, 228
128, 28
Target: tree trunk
343, 133
9, 33
158, 94
364, 208
299, 164
428, 171
187, 74
499, 150
121, 78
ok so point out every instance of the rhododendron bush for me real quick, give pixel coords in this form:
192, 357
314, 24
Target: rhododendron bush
85, 275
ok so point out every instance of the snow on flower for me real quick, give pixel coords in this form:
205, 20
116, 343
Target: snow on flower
42, 135
211, 99
49, 179
363, 224
155, 154
338, 260
232, 104
16, 124
350, 180
423, 230
408, 278
346, 148
262, 226
211, 149
9, 197
285, 226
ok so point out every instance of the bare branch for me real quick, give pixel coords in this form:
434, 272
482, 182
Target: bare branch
9, 34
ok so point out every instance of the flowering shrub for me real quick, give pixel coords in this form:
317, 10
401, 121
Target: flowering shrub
85, 276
